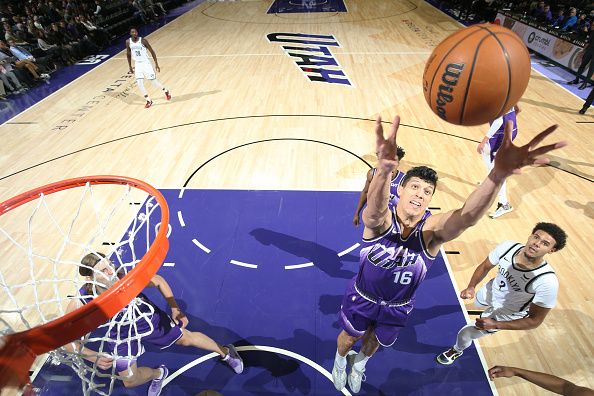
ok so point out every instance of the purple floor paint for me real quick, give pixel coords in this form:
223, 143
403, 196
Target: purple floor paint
277, 303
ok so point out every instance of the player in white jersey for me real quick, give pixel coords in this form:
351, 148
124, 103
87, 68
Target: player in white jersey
521, 294
136, 48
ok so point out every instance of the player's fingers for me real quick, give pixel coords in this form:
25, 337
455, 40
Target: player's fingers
379, 130
541, 136
549, 147
394, 129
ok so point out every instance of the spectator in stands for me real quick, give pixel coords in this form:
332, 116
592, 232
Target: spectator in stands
538, 11
26, 60
137, 10
156, 7
55, 52
582, 27
547, 16
7, 73
587, 56
558, 21
100, 35
98, 9
570, 20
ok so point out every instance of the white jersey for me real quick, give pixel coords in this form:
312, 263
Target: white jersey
139, 51
514, 288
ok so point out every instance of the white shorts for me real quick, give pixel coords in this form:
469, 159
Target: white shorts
144, 69
500, 314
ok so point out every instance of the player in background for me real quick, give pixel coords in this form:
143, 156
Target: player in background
488, 149
153, 326
399, 245
136, 48
546, 381
522, 293
395, 181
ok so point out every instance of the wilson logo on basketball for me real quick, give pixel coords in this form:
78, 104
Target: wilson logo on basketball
449, 80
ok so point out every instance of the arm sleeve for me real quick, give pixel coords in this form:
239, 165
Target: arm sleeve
500, 250
494, 127
545, 288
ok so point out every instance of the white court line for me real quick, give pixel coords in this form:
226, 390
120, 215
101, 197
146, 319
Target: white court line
181, 192
258, 348
254, 55
180, 218
290, 267
242, 264
348, 250
168, 264
201, 246
476, 344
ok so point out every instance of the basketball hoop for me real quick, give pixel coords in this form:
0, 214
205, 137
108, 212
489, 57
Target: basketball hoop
102, 199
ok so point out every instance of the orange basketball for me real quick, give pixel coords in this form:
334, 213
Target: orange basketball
476, 74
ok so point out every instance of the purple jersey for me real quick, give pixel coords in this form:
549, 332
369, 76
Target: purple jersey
497, 139
393, 185
148, 323
391, 267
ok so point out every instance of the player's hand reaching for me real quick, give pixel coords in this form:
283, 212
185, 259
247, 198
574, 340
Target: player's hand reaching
179, 317
481, 146
510, 159
467, 293
386, 147
356, 220
501, 371
486, 324
104, 362
131, 71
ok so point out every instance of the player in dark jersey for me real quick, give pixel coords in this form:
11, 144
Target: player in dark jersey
399, 245
151, 325
395, 181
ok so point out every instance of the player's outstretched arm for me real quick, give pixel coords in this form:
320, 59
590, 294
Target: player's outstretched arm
479, 274
103, 361
362, 198
376, 215
546, 381
510, 159
161, 284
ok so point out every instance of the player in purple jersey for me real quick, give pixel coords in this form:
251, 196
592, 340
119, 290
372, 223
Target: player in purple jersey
395, 180
152, 326
399, 246
488, 147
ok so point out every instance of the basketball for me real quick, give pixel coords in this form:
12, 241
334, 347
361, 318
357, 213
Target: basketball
476, 74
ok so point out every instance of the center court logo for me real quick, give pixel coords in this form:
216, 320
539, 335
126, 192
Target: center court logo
311, 53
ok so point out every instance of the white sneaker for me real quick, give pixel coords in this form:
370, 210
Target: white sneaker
355, 376
501, 210
339, 376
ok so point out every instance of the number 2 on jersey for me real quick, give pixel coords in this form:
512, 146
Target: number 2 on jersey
404, 278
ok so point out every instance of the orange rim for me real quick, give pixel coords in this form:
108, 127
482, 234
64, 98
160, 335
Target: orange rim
22, 348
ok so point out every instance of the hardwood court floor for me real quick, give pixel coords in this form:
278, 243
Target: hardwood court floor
232, 87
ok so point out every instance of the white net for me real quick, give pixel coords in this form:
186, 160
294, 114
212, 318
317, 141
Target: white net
42, 277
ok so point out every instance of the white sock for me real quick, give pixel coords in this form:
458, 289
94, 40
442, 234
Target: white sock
502, 195
360, 361
140, 83
158, 84
162, 374
466, 335
340, 361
